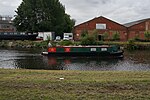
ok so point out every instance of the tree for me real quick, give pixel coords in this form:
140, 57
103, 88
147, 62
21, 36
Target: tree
88, 40
43, 15
95, 34
147, 35
106, 36
84, 33
69, 23
116, 36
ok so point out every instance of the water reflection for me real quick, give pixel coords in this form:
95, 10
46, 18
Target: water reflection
32, 59
82, 63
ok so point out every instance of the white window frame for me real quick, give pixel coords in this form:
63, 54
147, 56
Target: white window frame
100, 26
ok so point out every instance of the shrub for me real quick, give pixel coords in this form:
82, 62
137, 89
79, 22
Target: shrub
147, 35
95, 34
88, 40
116, 36
65, 43
84, 33
131, 44
105, 36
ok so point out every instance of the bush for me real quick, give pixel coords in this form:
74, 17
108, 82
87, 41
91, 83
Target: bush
88, 40
65, 43
131, 44
84, 33
106, 36
116, 36
147, 35
42, 44
95, 34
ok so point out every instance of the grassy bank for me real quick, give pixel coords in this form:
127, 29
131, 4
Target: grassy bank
76, 85
132, 45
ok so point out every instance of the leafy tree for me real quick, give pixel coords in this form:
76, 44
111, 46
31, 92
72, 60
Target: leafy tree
42, 15
84, 33
116, 36
88, 40
95, 34
147, 35
69, 24
106, 36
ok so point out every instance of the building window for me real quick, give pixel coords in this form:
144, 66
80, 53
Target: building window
100, 26
5, 26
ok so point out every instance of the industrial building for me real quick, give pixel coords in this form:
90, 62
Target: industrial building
104, 25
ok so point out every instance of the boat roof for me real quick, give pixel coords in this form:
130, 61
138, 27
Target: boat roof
106, 46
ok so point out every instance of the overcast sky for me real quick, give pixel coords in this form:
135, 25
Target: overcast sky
121, 11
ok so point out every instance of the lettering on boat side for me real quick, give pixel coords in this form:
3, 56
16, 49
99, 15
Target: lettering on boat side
52, 50
103, 49
67, 49
93, 49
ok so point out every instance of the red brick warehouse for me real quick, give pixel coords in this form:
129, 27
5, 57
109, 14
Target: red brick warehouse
137, 29
102, 24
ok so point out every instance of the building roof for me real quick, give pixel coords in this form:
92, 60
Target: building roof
100, 17
5, 22
135, 22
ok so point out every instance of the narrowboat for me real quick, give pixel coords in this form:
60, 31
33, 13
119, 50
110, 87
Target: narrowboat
94, 51
17, 36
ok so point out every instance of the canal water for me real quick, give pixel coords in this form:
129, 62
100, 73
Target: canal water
32, 59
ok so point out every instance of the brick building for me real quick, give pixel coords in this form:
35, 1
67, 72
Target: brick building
137, 29
103, 25
6, 24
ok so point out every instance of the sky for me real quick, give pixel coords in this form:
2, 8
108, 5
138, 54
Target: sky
121, 11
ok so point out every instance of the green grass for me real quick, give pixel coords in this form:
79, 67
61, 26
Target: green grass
18, 84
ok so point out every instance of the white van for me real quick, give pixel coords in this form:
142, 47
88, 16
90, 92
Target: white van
68, 36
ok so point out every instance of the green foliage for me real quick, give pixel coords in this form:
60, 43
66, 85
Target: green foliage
147, 35
69, 24
48, 38
65, 43
116, 36
106, 36
100, 42
95, 34
41, 44
84, 33
131, 44
42, 15
88, 40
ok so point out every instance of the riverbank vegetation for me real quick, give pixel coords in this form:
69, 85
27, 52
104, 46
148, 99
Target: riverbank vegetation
18, 84
130, 45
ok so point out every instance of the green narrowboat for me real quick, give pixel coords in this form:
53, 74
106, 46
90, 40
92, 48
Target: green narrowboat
95, 51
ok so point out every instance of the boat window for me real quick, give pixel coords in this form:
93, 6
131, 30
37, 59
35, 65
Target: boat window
93, 49
5, 26
5, 33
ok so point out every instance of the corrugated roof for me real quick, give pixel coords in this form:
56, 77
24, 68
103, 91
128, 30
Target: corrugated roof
5, 22
135, 22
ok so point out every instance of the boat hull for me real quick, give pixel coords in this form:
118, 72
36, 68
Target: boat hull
83, 52
12, 36
109, 55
